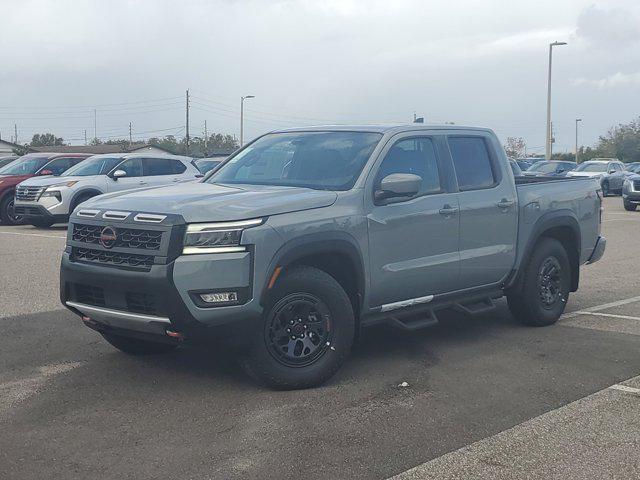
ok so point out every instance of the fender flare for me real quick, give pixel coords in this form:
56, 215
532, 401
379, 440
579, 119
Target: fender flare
558, 218
317, 243
81, 192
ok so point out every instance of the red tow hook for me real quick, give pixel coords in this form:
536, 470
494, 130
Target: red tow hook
176, 335
89, 321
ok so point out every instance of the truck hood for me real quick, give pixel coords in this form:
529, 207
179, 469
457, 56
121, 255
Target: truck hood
51, 180
206, 202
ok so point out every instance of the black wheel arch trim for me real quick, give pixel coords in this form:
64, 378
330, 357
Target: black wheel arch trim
314, 244
558, 218
80, 193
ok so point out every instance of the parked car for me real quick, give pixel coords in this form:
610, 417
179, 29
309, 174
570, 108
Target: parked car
525, 163
515, 168
205, 165
631, 192
304, 236
553, 168
632, 166
45, 201
609, 172
27, 166
7, 160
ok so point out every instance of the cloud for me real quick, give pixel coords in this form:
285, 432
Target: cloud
604, 28
616, 80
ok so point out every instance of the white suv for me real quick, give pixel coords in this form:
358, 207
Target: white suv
45, 201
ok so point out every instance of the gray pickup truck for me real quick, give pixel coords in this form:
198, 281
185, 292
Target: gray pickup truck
304, 236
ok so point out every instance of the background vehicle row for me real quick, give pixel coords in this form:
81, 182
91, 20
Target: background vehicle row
45, 201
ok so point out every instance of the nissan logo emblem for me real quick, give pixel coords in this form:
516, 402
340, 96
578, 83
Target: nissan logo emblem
108, 237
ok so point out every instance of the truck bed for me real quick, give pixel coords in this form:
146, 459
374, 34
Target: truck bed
559, 196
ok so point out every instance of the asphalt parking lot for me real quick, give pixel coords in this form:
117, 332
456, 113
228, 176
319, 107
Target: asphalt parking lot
487, 397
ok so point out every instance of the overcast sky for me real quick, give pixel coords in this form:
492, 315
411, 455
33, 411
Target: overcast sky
478, 62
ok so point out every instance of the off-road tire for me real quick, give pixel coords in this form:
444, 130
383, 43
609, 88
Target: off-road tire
265, 363
526, 303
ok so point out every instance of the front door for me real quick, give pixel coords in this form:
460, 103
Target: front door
413, 242
134, 179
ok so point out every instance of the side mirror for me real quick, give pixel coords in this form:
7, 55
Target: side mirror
118, 174
45, 172
398, 185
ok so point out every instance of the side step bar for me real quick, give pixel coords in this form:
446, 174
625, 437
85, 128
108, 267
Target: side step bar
417, 315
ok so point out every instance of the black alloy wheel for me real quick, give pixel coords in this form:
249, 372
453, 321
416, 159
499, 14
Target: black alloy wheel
298, 330
550, 283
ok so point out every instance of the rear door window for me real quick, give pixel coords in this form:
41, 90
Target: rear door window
157, 166
472, 162
177, 166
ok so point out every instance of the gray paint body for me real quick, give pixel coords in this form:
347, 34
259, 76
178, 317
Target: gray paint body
406, 250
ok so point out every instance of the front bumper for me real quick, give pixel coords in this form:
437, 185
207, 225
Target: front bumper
598, 250
133, 303
33, 210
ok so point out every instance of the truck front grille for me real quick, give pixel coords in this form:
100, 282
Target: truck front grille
126, 237
141, 303
28, 194
89, 295
134, 302
118, 259
636, 185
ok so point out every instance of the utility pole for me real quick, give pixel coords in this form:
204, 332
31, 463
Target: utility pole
577, 120
549, 133
551, 142
206, 139
187, 132
95, 124
15, 131
130, 136
85, 136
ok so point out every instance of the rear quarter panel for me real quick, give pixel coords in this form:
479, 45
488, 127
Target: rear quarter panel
574, 198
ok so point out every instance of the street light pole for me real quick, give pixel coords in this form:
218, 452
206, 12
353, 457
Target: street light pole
577, 120
242, 99
548, 144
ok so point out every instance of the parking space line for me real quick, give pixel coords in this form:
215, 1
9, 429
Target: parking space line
610, 315
598, 308
624, 388
32, 235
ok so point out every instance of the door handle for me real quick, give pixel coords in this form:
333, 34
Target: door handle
448, 210
142, 182
504, 203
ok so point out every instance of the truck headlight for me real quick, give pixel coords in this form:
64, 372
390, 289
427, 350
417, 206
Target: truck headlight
222, 237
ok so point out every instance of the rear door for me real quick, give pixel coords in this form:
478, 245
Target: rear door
160, 171
413, 242
488, 209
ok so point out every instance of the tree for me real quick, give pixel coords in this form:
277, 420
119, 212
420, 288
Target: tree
46, 140
515, 147
621, 142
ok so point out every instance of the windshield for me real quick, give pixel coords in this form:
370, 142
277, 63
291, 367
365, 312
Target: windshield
25, 166
592, 167
93, 166
543, 167
319, 160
